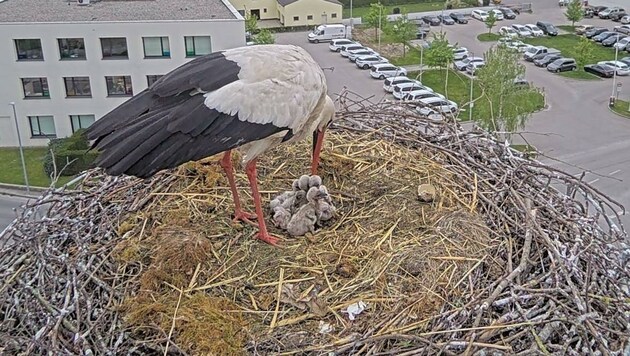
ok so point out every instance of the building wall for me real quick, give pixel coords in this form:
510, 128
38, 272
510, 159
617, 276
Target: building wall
224, 34
246, 7
320, 10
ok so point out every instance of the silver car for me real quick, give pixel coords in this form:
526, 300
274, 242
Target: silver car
461, 65
365, 62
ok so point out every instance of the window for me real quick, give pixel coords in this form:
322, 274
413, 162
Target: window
242, 12
114, 48
42, 126
119, 86
29, 50
71, 48
333, 15
35, 87
81, 121
296, 18
152, 79
156, 47
265, 10
198, 45
78, 86
309, 17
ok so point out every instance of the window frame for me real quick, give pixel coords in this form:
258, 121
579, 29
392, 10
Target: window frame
128, 92
78, 116
151, 76
43, 81
161, 38
296, 18
61, 56
65, 84
109, 57
194, 46
37, 117
333, 15
309, 17
17, 50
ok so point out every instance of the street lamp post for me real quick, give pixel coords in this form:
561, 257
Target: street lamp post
380, 17
472, 104
17, 129
614, 87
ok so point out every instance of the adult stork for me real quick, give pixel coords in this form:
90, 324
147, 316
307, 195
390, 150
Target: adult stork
249, 98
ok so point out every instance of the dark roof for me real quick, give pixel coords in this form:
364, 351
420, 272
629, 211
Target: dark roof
289, 2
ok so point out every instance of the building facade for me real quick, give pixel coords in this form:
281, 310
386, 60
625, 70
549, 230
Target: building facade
292, 12
71, 64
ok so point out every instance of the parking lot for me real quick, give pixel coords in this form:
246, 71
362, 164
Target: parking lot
576, 129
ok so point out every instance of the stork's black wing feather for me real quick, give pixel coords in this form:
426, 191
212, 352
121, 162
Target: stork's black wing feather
165, 126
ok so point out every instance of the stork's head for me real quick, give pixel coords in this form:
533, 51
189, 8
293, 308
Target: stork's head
327, 114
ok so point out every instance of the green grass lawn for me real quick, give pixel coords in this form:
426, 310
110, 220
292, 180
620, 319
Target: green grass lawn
11, 167
411, 57
567, 44
579, 74
568, 28
621, 108
459, 92
488, 37
418, 7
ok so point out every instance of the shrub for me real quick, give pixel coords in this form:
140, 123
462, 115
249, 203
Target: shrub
366, 3
71, 155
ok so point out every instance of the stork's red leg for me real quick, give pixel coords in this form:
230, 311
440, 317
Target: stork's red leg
263, 235
318, 139
239, 214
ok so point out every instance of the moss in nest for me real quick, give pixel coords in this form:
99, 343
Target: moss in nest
125, 227
176, 253
204, 325
128, 251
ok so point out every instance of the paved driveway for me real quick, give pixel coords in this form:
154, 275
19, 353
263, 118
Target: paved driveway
577, 128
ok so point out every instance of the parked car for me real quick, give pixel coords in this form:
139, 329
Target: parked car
365, 62
507, 13
621, 67
508, 32
520, 82
625, 60
498, 14
563, 3
386, 70
440, 105
562, 65
446, 19
401, 90
604, 35
522, 31
361, 52
547, 27
345, 50
389, 83
600, 70
431, 20
473, 67
335, 45
421, 94
625, 19
461, 65
598, 9
518, 46
542, 55
618, 16
536, 32
605, 14
588, 12
546, 59
459, 17
611, 40
480, 15
421, 34
625, 29
594, 32
580, 29
529, 54
460, 53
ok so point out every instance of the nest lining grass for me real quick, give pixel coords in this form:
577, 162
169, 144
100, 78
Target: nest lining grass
404, 258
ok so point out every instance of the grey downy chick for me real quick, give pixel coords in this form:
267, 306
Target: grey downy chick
303, 183
281, 207
314, 181
325, 206
305, 219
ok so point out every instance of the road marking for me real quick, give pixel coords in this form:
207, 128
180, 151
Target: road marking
593, 181
614, 172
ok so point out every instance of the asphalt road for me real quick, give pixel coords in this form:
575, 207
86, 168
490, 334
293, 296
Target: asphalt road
7, 204
577, 130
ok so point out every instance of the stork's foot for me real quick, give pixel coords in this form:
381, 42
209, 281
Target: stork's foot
268, 238
243, 216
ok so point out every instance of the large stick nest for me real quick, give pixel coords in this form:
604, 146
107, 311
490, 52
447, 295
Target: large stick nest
511, 257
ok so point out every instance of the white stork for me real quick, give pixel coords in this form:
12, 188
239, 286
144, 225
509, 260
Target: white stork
250, 98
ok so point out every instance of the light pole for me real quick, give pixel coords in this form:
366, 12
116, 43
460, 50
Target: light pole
380, 17
472, 104
421, 66
17, 129
614, 87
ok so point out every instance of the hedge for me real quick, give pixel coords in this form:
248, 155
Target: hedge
71, 155
366, 3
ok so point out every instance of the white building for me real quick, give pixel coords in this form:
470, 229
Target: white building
66, 64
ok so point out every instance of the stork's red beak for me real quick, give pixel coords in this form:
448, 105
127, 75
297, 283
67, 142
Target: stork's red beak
318, 140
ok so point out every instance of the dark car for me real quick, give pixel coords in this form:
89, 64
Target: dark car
618, 15
547, 28
421, 34
459, 18
431, 20
597, 9
548, 58
625, 60
562, 65
602, 36
611, 40
594, 32
600, 70
508, 14
447, 20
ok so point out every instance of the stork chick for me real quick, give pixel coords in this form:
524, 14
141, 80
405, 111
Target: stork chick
305, 219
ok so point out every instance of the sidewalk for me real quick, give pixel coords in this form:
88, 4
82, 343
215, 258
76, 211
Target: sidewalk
20, 191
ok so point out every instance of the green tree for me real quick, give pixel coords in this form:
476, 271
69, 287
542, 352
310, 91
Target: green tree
491, 20
440, 55
264, 37
453, 4
376, 17
574, 11
510, 105
471, 2
583, 52
402, 31
251, 24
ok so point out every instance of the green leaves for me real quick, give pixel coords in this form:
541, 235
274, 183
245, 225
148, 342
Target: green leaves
583, 52
402, 31
491, 20
264, 37
574, 11
439, 55
376, 17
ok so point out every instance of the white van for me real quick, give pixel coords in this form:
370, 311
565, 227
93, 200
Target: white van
324, 33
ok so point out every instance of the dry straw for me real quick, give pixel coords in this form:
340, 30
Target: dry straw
512, 256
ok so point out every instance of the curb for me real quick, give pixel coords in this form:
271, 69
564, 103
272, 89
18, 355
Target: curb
17, 190
616, 113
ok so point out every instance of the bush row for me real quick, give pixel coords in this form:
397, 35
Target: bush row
70, 154
366, 3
